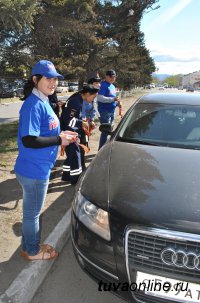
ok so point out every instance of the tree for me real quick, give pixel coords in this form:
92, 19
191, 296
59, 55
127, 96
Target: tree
127, 52
71, 40
16, 21
78, 36
17, 14
174, 81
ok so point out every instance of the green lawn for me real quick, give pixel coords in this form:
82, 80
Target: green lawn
8, 143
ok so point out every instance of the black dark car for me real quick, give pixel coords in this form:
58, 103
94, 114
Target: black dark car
7, 92
190, 89
136, 212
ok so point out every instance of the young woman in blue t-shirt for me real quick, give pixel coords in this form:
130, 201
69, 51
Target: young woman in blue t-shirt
38, 140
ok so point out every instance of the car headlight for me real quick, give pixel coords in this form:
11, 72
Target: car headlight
93, 217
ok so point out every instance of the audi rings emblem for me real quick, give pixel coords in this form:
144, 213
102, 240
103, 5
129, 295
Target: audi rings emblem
180, 258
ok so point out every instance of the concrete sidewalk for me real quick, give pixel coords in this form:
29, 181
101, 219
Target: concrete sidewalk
30, 278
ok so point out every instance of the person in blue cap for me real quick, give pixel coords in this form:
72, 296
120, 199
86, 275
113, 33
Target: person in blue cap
38, 140
107, 102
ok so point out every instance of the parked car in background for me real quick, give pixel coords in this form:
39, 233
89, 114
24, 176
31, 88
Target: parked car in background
62, 87
190, 89
18, 87
147, 86
7, 91
12, 89
73, 86
136, 210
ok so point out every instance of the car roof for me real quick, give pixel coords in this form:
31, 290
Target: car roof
171, 98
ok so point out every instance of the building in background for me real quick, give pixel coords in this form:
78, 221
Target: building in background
191, 80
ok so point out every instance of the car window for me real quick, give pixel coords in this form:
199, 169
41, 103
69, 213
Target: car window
172, 125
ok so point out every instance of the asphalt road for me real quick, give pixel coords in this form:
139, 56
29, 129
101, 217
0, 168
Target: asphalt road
67, 283
9, 112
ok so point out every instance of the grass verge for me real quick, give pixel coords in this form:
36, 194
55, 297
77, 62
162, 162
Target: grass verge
8, 143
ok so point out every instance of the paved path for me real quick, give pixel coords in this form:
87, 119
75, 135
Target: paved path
67, 283
9, 112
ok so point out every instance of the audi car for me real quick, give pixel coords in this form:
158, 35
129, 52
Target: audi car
136, 210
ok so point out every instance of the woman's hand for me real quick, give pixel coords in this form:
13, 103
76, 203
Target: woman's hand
68, 137
60, 103
92, 124
119, 103
85, 124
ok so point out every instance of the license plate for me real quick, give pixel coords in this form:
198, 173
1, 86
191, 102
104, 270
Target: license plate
163, 287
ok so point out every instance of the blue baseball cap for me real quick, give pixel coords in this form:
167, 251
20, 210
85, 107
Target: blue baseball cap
45, 68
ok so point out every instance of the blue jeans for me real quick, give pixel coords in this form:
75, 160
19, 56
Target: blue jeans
34, 193
105, 117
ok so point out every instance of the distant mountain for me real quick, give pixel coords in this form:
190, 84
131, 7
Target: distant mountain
160, 77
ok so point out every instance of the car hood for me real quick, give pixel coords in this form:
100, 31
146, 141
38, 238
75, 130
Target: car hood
148, 185
95, 183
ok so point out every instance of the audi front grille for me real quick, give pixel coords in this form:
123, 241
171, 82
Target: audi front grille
164, 253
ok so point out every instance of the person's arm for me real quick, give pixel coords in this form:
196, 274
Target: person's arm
93, 112
40, 142
84, 111
64, 138
103, 99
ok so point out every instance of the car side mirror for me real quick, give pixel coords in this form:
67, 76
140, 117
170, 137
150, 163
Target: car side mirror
106, 128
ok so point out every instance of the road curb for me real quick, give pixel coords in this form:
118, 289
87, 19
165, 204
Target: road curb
24, 287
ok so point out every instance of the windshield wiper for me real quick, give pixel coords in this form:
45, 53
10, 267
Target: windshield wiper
137, 141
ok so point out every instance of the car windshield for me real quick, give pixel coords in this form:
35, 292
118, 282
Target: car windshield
61, 83
73, 83
164, 125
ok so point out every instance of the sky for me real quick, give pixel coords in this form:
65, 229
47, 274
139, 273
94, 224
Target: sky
171, 34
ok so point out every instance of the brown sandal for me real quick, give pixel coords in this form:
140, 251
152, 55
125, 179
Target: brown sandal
46, 246
47, 252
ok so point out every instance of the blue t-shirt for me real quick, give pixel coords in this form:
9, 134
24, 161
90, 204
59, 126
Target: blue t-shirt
88, 110
107, 90
37, 118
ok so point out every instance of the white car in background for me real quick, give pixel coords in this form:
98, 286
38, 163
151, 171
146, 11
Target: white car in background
62, 87
73, 86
